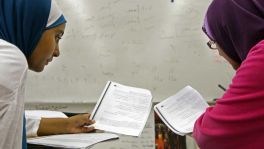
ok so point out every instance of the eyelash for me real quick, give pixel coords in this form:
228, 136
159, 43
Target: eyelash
58, 38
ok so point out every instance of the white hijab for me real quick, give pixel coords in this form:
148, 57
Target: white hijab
55, 13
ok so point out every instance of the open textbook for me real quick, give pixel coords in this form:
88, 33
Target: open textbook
122, 109
180, 111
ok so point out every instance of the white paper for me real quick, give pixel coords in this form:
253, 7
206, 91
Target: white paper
179, 112
45, 113
83, 140
122, 109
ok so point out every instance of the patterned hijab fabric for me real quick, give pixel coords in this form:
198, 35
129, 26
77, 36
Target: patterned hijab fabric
236, 25
22, 22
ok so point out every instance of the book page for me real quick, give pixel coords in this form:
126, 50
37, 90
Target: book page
122, 109
179, 112
83, 140
145, 141
44, 113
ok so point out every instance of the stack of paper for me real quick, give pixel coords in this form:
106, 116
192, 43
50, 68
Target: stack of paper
44, 113
67, 140
72, 141
122, 109
179, 112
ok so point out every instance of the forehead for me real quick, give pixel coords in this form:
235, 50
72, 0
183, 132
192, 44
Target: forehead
59, 28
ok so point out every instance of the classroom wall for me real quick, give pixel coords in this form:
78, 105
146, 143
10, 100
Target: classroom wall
152, 44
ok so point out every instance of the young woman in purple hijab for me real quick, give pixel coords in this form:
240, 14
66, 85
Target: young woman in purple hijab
236, 29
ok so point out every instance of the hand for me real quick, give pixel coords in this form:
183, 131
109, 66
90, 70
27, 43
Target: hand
74, 124
211, 103
79, 124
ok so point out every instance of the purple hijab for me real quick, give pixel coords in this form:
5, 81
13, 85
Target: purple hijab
235, 25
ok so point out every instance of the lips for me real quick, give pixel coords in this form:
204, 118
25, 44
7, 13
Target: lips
50, 59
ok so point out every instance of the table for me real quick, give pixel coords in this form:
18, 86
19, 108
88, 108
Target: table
145, 141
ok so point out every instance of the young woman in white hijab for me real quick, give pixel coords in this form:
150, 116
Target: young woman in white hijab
30, 31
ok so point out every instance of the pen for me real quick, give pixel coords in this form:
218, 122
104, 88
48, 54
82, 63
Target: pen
220, 86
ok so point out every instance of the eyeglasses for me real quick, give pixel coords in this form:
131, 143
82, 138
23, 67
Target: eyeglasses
212, 45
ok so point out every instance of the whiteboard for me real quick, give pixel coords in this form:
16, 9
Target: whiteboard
152, 44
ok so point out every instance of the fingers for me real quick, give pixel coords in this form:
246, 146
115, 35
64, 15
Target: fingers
89, 122
86, 120
80, 124
87, 129
82, 129
86, 115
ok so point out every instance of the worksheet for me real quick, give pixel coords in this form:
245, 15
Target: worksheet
72, 141
179, 112
122, 109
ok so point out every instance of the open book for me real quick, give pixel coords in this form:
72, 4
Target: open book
180, 111
122, 109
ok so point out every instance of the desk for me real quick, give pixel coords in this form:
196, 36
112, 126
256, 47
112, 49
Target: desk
145, 141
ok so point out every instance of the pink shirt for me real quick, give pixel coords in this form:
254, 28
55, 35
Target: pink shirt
237, 119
